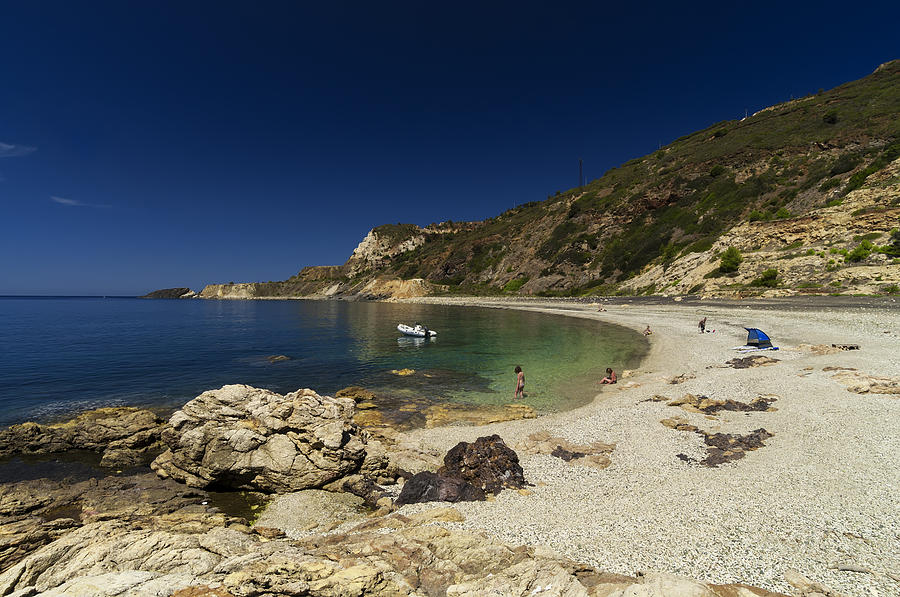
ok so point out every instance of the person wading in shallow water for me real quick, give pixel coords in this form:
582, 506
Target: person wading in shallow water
520, 382
610, 376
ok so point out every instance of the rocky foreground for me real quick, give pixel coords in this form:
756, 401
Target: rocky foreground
147, 534
748, 468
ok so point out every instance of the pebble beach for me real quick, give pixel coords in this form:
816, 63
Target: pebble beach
822, 495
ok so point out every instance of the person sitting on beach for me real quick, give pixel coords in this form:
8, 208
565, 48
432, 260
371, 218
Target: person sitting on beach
520, 383
647, 332
702, 325
610, 376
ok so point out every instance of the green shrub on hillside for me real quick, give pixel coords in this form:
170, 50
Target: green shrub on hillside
515, 284
830, 184
768, 279
782, 213
731, 259
844, 163
862, 251
887, 155
757, 216
830, 117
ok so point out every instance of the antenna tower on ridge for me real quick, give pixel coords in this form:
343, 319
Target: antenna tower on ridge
580, 172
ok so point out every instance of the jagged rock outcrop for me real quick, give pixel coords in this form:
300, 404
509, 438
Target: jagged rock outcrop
124, 435
382, 244
242, 437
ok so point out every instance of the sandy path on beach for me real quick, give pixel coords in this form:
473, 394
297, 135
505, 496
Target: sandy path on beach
821, 495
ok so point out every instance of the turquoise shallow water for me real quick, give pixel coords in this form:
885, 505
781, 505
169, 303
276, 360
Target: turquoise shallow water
62, 355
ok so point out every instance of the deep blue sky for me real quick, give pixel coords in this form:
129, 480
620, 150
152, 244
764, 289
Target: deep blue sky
154, 144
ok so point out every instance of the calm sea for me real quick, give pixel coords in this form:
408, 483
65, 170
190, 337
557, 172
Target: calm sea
59, 356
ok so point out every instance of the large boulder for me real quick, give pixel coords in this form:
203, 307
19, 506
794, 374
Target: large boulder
470, 472
124, 435
487, 463
241, 437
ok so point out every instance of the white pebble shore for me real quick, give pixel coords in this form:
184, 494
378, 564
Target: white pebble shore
823, 493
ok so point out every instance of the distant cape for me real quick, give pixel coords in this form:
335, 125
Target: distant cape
170, 293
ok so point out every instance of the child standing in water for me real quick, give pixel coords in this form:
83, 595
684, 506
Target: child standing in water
520, 383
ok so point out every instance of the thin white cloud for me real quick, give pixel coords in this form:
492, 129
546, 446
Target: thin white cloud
76, 203
64, 201
7, 150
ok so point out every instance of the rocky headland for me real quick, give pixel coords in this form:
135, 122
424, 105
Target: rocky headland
170, 293
776, 472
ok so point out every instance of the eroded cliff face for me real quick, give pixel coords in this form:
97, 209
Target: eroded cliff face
245, 290
376, 249
376, 288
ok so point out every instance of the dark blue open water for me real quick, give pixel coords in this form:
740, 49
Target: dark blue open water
59, 356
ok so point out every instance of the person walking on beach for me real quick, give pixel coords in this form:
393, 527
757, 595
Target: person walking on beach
702, 325
610, 376
520, 382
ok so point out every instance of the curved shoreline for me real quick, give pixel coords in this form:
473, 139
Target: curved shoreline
819, 496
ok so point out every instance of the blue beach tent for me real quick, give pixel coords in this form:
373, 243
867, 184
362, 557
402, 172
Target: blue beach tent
758, 338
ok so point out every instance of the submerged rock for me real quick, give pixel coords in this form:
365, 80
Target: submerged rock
241, 437
124, 435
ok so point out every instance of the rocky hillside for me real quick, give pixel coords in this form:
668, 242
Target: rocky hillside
808, 188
